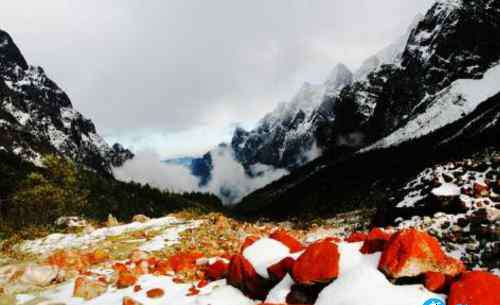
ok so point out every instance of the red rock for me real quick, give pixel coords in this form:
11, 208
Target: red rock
284, 237
88, 289
481, 190
193, 291
217, 270
475, 287
356, 237
202, 283
155, 293
184, 261
125, 279
248, 242
95, 257
437, 281
278, 271
375, 241
68, 260
318, 264
130, 301
243, 276
120, 267
161, 267
411, 252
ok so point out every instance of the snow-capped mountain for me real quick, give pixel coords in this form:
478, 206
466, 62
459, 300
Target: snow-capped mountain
37, 117
390, 55
440, 99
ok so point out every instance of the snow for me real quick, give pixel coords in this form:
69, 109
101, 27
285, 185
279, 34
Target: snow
168, 238
278, 294
361, 283
459, 99
215, 293
66, 241
264, 253
446, 190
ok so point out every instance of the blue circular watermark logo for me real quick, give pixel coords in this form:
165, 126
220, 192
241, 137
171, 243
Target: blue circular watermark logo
434, 302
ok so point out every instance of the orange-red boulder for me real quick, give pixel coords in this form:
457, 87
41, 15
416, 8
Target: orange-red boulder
97, 256
411, 252
291, 242
243, 276
475, 287
356, 237
278, 271
318, 264
217, 270
437, 281
125, 279
375, 241
184, 261
130, 301
248, 242
68, 260
155, 293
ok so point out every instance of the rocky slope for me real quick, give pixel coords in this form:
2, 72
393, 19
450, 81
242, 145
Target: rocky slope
296, 132
37, 117
217, 260
440, 101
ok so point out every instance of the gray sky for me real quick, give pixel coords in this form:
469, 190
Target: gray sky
178, 75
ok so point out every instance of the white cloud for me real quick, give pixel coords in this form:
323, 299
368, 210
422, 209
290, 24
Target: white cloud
146, 167
229, 180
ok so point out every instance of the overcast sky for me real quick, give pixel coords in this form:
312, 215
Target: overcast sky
178, 76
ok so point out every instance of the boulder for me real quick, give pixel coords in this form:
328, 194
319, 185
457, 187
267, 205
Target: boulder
318, 264
355, 237
217, 270
68, 260
475, 287
278, 271
243, 276
40, 276
125, 279
112, 221
410, 253
184, 261
375, 241
437, 281
71, 222
481, 190
155, 293
88, 288
248, 242
140, 218
284, 237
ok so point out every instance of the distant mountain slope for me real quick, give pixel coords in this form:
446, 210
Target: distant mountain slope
442, 99
37, 117
297, 131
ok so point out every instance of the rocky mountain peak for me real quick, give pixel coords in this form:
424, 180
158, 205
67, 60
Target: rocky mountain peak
37, 117
9, 52
339, 77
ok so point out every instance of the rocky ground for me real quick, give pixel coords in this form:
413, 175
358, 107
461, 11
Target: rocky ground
212, 259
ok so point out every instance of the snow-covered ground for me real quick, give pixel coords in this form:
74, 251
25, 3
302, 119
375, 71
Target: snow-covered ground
173, 225
459, 99
359, 283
